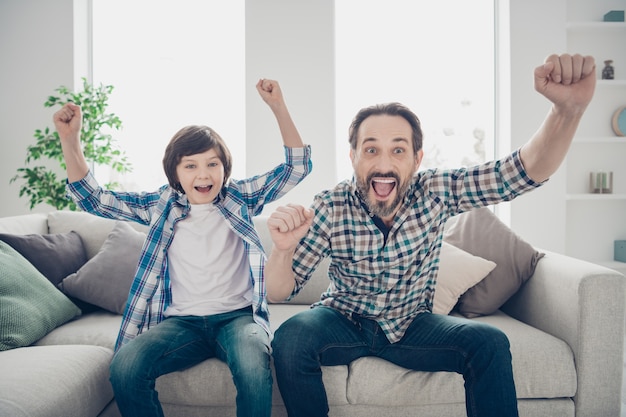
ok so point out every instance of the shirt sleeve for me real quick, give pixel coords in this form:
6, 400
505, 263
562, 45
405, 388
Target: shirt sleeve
94, 199
259, 190
482, 185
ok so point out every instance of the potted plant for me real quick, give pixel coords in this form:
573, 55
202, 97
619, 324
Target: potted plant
41, 183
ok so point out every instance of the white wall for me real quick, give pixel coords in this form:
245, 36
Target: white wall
293, 43
288, 41
36, 50
537, 29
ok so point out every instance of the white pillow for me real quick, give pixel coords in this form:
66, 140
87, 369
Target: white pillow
458, 272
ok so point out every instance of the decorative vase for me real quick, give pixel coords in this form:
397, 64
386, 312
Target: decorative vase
608, 72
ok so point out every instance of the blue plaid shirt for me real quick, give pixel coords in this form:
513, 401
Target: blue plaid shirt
392, 279
238, 202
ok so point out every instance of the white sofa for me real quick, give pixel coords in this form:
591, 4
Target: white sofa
565, 325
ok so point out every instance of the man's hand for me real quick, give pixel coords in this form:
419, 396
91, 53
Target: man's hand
288, 224
566, 80
68, 121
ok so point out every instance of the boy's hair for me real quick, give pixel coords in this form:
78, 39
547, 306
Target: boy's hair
389, 109
192, 140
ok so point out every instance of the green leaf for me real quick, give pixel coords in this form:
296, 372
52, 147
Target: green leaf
41, 184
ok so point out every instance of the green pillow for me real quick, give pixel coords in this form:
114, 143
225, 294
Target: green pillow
30, 306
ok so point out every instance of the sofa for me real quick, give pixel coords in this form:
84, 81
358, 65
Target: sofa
564, 318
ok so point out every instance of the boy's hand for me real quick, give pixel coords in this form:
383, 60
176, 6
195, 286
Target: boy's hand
288, 224
270, 92
68, 121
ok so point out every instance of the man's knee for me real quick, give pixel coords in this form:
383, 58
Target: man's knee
295, 335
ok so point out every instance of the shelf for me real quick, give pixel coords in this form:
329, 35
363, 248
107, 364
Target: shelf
615, 265
595, 197
600, 139
611, 83
596, 25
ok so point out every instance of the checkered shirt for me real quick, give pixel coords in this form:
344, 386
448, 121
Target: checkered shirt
393, 280
238, 202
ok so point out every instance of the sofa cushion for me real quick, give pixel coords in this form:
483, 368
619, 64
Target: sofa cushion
543, 367
25, 224
106, 278
99, 328
190, 387
92, 229
30, 306
458, 271
54, 255
481, 233
43, 381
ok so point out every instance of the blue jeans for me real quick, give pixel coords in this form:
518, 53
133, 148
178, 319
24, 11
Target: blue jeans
178, 343
323, 336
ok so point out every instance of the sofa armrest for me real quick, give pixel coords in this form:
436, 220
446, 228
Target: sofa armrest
584, 305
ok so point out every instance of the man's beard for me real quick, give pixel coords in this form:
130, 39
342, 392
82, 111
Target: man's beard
382, 208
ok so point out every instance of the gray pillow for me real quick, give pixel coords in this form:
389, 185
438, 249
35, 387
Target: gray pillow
30, 306
105, 279
54, 255
481, 233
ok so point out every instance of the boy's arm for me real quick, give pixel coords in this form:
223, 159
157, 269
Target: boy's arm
271, 93
68, 122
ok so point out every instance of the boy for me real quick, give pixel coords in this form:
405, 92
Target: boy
199, 287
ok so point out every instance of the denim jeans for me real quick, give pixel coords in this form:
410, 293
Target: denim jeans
178, 343
323, 336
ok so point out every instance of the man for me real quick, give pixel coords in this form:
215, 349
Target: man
383, 232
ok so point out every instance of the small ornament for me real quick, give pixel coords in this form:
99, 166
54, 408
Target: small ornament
608, 72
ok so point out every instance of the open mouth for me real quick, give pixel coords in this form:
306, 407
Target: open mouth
203, 188
383, 186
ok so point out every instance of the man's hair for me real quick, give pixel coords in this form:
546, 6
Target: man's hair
192, 140
390, 109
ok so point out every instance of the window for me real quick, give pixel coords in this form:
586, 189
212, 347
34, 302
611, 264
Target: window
179, 63
437, 58
170, 67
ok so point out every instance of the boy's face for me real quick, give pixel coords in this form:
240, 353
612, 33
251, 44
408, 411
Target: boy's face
201, 176
384, 163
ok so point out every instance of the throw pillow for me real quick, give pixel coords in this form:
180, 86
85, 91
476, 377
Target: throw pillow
54, 255
30, 306
106, 278
93, 230
458, 271
481, 233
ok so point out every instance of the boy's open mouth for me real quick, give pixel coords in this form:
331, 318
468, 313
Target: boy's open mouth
383, 186
203, 188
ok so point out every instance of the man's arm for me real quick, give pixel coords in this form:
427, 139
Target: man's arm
68, 122
287, 225
271, 93
568, 81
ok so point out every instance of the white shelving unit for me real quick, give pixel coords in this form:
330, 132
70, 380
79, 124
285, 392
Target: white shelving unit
595, 221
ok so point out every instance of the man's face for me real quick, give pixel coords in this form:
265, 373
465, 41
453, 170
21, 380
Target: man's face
384, 163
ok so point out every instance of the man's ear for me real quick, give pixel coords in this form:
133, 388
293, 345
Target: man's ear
418, 158
353, 157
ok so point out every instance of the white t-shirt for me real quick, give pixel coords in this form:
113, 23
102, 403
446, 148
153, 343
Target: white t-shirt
208, 266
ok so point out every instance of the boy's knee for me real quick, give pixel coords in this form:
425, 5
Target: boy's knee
124, 366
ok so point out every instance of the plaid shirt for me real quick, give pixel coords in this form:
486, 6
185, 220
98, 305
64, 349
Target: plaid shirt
238, 202
392, 280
